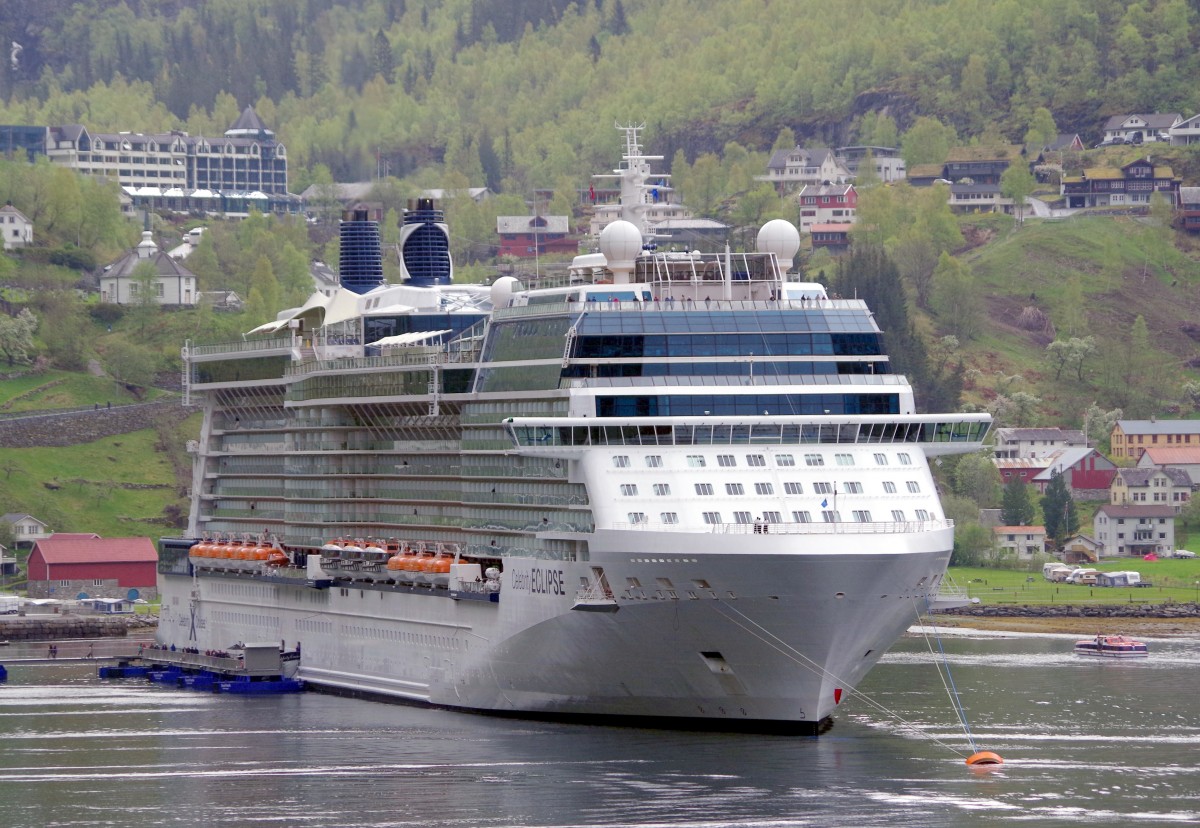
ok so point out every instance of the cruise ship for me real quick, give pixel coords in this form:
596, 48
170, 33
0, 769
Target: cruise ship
677, 489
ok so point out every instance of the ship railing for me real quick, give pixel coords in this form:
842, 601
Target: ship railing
837, 528
248, 346
660, 305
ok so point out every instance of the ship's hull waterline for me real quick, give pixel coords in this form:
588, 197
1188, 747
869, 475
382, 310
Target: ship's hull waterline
775, 643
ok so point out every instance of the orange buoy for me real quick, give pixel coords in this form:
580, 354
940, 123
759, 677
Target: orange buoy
985, 757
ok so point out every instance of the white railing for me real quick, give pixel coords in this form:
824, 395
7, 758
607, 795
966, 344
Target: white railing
822, 528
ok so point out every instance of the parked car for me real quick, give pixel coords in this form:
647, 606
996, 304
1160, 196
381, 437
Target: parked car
1182, 553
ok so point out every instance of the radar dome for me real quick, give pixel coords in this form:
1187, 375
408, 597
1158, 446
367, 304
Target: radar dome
503, 289
620, 242
780, 237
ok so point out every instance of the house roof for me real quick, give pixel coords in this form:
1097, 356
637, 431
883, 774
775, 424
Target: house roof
9, 210
1021, 462
824, 190
74, 549
832, 227
1153, 120
528, 224
925, 171
1141, 477
1166, 455
1159, 426
1004, 152
1014, 434
1189, 195
1137, 510
14, 517
1063, 141
1064, 459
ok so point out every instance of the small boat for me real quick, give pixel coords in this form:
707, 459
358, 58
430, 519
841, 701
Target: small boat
1111, 646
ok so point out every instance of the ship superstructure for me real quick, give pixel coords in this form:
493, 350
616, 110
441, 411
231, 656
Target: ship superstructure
677, 486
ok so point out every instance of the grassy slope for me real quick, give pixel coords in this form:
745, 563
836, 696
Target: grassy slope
1121, 272
1174, 581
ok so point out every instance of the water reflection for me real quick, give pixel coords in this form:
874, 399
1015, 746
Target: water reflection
1104, 742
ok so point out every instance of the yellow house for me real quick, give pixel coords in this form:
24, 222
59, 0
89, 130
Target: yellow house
1129, 438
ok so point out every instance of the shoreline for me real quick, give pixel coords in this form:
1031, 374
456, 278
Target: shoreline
1165, 621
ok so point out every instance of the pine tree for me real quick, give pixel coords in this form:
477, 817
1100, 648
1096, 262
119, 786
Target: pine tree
1016, 508
1059, 510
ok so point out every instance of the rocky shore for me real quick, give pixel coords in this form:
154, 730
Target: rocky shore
54, 627
1151, 620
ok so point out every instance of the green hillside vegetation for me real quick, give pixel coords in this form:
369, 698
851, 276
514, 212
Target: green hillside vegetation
120, 486
1171, 581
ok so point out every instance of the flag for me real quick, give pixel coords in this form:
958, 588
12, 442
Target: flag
824, 502
592, 192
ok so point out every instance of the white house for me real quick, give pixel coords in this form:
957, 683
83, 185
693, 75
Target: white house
1024, 542
16, 229
1035, 442
25, 528
173, 284
1134, 530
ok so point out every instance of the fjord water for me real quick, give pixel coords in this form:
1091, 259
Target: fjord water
1096, 741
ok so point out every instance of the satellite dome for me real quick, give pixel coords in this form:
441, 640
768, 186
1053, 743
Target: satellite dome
620, 241
780, 237
503, 289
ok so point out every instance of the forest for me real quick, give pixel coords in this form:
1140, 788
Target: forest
518, 94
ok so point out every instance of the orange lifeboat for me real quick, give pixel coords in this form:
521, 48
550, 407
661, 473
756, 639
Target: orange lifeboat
245, 552
276, 557
199, 550
397, 561
441, 564
260, 553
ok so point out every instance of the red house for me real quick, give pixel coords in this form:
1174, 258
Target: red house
67, 566
527, 236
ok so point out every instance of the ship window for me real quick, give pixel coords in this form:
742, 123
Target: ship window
755, 460
741, 517
764, 489
661, 489
793, 488
772, 517
831, 516
862, 516
621, 461
853, 487
821, 487
898, 515
696, 461
734, 489
637, 517
845, 459
669, 517
889, 486
653, 461
784, 460
712, 518
814, 460
904, 458
802, 517
880, 459
704, 488
914, 486
629, 489
922, 514
726, 460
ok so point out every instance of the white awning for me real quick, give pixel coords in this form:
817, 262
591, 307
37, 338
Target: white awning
269, 326
342, 308
409, 338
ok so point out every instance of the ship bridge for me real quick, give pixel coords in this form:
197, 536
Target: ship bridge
571, 437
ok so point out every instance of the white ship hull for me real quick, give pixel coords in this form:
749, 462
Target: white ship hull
775, 642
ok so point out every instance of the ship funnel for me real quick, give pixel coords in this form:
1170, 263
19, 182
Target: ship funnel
360, 263
425, 245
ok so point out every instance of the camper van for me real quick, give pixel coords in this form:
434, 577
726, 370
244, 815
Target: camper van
1057, 572
1086, 577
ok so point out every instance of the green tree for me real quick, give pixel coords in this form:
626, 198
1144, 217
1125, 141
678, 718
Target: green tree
1017, 183
132, 365
16, 336
1058, 510
1073, 353
143, 294
955, 298
927, 141
976, 477
1042, 130
1016, 507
